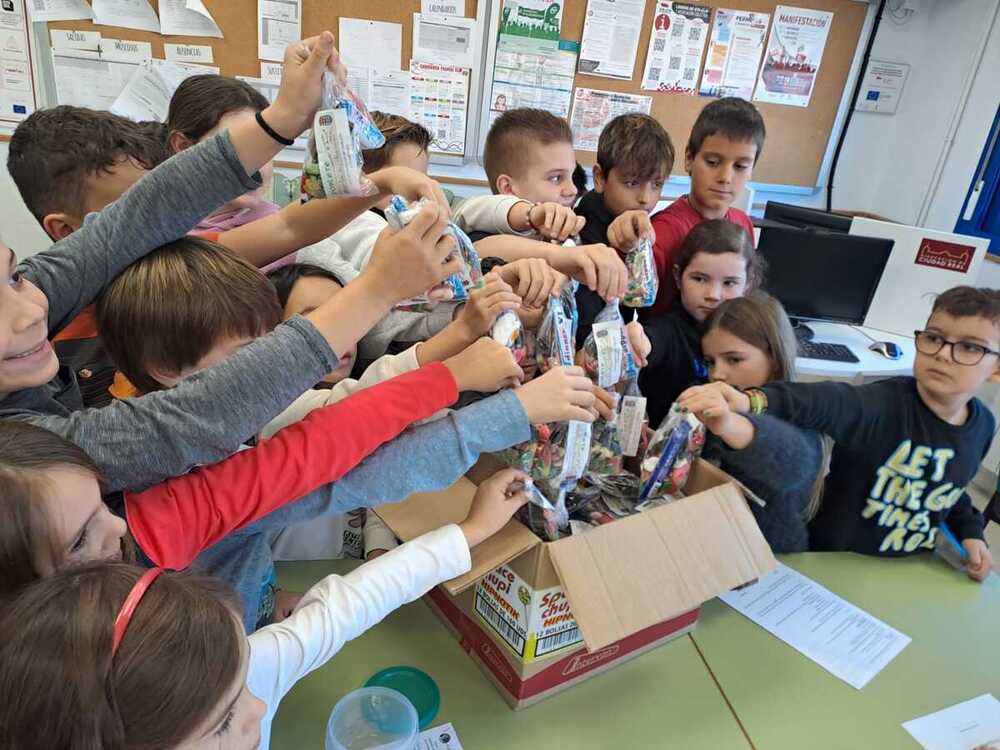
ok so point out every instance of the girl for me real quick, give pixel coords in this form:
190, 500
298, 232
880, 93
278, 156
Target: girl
716, 262
172, 669
52, 514
747, 342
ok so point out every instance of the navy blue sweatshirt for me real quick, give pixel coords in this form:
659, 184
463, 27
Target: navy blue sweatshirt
897, 471
675, 361
780, 466
588, 302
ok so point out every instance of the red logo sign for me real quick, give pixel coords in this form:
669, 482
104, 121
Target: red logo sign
587, 661
946, 255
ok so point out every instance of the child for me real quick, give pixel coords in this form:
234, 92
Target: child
161, 436
634, 159
725, 143
53, 514
904, 448
716, 263
747, 342
176, 646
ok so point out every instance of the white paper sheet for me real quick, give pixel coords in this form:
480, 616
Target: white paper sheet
593, 109
676, 42
375, 43
87, 81
271, 71
611, 38
882, 86
443, 737
530, 73
180, 18
439, 100
972, 724
147, 94
843, 639
126, 50
385, 91
129, 14
734, 53
449, 41
59, 10
279, 23
189, 53
794, 52
442, 8
73, 39
17, 90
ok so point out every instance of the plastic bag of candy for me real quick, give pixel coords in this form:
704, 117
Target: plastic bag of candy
643, 282
341, 129
545, 512
554, 340
398, 214
507, 330
607, 356
672, 449
605, 449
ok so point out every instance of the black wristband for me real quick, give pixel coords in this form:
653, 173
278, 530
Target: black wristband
271, 132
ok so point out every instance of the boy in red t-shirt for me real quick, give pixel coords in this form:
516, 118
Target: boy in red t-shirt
725, 143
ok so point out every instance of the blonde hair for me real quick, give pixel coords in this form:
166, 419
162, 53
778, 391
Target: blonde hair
761, 321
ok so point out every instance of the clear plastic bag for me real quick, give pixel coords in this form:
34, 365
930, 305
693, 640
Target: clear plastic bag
643, 281
670, 454
556, 335
341, 129
398, 214
607, 356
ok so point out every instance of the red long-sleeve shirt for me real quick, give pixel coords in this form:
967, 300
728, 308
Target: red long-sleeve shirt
174, 521
672, 225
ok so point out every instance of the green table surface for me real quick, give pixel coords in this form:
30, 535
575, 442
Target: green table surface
663, 699
784, 700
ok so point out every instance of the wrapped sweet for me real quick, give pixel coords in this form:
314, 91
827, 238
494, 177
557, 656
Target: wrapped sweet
643, 282
670, 454
607, 356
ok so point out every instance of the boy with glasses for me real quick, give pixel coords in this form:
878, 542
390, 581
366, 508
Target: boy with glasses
905, 448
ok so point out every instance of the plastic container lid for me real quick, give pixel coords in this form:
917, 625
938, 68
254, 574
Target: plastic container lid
372, 717
416, 685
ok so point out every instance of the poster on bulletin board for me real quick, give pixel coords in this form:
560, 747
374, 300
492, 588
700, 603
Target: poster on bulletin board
676, 42
17, 89
794, 52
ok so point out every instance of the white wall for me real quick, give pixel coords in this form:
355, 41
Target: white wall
18, 227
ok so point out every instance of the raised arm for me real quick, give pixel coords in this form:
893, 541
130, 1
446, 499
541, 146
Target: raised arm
175, 521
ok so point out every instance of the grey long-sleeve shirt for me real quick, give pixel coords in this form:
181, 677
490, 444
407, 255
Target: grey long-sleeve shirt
139, 442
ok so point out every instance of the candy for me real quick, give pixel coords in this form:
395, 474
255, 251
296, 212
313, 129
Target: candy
643, 282
507, 330
341, 129
556, 335
607, 356
671, 451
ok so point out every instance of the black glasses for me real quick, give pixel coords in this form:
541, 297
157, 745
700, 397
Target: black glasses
962, 352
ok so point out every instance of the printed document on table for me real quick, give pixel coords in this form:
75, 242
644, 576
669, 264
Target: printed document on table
59, 10
448, 41
279, 23
187, 18
676, 42
974, 724
443, 737
375, 43
129, 14
610, 41
843, 639
734, 53
593, 109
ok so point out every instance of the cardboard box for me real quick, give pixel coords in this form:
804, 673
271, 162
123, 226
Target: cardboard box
540, 616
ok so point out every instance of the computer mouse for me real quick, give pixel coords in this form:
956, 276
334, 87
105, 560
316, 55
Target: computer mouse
887, 349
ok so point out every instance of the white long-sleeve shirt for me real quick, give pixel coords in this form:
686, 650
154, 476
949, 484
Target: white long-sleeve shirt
340, 608
348, 534
485, 213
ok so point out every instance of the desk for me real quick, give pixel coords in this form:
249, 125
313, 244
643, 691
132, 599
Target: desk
872, 366
786, 701
665, 698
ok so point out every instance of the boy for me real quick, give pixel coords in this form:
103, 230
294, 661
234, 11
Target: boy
725, 143
634, 159
160, 436
905, 448
189, 305
68, 162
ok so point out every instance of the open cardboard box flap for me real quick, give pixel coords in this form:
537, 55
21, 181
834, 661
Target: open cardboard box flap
426, 511
623, 576
641, 570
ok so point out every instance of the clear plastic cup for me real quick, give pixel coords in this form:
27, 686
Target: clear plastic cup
372, 718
